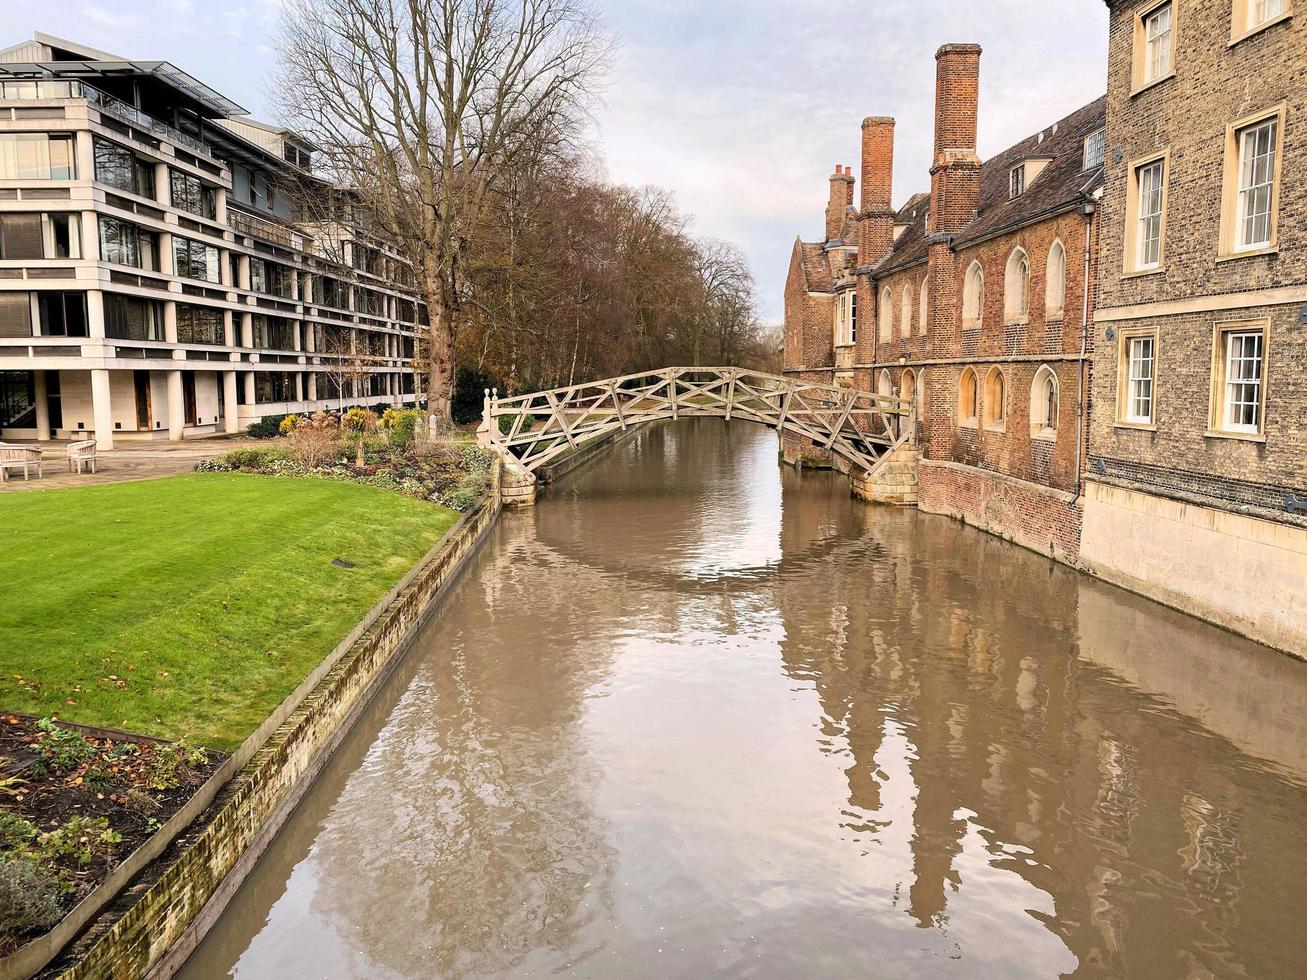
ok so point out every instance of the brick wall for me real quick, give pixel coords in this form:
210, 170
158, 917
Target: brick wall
1037, 517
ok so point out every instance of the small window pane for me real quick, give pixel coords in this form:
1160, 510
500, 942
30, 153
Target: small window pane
1139, 391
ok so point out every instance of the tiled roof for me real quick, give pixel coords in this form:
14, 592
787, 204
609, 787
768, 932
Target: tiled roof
816, 267
1061, 184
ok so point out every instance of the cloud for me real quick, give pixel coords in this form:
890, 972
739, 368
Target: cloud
740, 108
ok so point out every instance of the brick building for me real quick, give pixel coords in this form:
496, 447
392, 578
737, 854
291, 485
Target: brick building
1195, 492
974, 302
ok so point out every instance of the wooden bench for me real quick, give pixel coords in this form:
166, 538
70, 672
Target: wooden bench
13, 457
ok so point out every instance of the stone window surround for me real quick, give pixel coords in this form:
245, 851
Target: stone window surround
1055, 282
1139, 80
973, 295
1131, 266
1221, 330
968, 398
1016, 304
995, 400
1041, 426
1124, 337
886, 313
905, 313
1230, 216
1241, 27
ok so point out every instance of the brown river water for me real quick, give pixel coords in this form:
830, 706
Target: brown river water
696, 715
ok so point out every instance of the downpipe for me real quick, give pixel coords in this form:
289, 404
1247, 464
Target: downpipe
1082, 416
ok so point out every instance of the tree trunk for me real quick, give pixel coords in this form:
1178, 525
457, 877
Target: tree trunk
440, 381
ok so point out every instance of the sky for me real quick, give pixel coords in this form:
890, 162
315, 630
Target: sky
742, 108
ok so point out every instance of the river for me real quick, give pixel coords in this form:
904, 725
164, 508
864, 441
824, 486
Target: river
697, 715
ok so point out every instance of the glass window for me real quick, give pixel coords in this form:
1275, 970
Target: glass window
1243, 381
62, 314
1095, 149
1149, 252
20, 236
194, 260
273, 333
258, 276
1263, 10
1017, 181
119, 167
61, 234
1139, 379
1157, 43
200, 325
1256, 184
189, 194
35, 156
129, 318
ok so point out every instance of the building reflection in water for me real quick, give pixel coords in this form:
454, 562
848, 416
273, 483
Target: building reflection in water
1132, 778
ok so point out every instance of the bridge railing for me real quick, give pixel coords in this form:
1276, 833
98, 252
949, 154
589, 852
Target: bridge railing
860, 426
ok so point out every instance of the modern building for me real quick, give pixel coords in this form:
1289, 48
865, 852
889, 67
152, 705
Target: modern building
1196, 492
170, 267
973, 300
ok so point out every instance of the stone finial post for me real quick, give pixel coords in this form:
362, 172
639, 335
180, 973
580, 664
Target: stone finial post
485, 435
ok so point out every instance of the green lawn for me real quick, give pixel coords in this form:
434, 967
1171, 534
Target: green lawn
191, 606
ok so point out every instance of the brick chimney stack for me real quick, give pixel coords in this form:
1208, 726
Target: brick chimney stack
876, 213
954, 181
841, 197
955, 172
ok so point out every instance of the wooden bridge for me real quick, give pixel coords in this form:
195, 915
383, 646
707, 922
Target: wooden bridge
859, 427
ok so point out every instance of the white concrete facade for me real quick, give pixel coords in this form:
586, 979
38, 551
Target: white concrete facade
97, 338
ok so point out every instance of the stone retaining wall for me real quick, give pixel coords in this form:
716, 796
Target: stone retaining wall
168, 913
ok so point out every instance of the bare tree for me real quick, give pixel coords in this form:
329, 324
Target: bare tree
347, 362
424, 105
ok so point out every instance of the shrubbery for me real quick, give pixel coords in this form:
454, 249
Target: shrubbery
267, 427
29, 898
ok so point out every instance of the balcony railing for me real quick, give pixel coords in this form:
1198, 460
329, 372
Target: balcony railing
269, 231
33, 88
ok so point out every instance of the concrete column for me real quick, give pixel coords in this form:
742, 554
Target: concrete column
90, 235
231, 421
229, 329
42, 407
310, 338
95, 313
170, 322
299, 387
176, 406
249, 387
220, 205
162, 184
102, 412
224, 267
167, 265
85, 152
313, 388
247, 327
243, 270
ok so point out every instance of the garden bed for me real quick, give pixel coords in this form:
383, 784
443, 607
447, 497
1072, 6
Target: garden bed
384, 451
74, 803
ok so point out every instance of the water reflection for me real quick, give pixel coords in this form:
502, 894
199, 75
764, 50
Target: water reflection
696, 716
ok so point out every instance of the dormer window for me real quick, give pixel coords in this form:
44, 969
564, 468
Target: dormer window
1095, 149
1016, 181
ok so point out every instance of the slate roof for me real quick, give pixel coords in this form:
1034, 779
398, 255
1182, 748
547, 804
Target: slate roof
816, 269
1061, 185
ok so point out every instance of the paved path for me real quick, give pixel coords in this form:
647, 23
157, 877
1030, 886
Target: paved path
131, 461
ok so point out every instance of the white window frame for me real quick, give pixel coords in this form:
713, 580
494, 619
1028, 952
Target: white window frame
1159, 43
1236, 345
1101, 136
1133, 380
1250, 17
1251, 196
1042, 425
1140, 224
